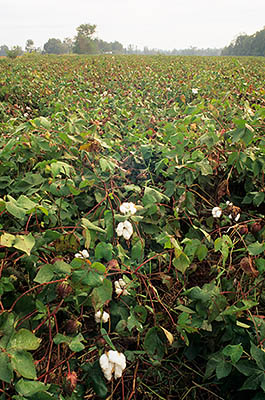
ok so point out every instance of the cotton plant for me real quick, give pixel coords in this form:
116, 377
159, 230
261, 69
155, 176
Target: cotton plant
112, 362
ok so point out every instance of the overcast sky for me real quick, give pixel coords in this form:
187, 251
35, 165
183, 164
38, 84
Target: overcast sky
164, 24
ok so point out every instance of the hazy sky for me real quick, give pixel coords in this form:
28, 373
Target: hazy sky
164, 24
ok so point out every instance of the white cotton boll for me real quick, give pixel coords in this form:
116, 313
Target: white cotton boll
84, 253
230, 216
104, 362
217, 212
121, 282
105, 317
99, 316
228, 203
113, 356
127, 230
125, 292
117, 285
108, 374
120, 228
122, 360
117, 371
195, 90
118, 291
237, 217
126, 208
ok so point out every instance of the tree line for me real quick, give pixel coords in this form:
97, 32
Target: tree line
247, 45
85, 43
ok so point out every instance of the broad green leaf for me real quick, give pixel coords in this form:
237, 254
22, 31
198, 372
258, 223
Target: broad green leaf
24, 243
233, 351
202, 252
154, 343
24, 340
7, 240
45, 274
23, 363
14, 210
258, 355
62, 268
223, 369
89, 225
101, 294
256, 248
104, 250
6, 372
30, 388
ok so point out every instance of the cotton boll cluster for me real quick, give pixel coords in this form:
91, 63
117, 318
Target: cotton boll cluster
112, 362
195, 91
101, 316
120, 287
125, 229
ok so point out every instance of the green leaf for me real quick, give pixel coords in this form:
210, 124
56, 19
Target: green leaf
258, 355
96, 377
7, 240
105, 335
89, 225
6, 372
256, 248
75, 344
45, 274
154, 343
23, 363
24, 243
223, 369
14, 210
24, 340
101, 294
137, 251
62, 268
30, 388
202, 252
104, 250
234, 352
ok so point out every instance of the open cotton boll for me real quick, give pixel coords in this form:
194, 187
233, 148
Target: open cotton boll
125, 229
217, 212
118, 371
101, 316
104, 362
117, 358
122, 283
82, 254
126, 208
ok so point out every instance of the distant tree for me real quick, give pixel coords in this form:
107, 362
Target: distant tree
14, 52
83, 42
3, 50
29, 46
68, 45
54, 46
244, 45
